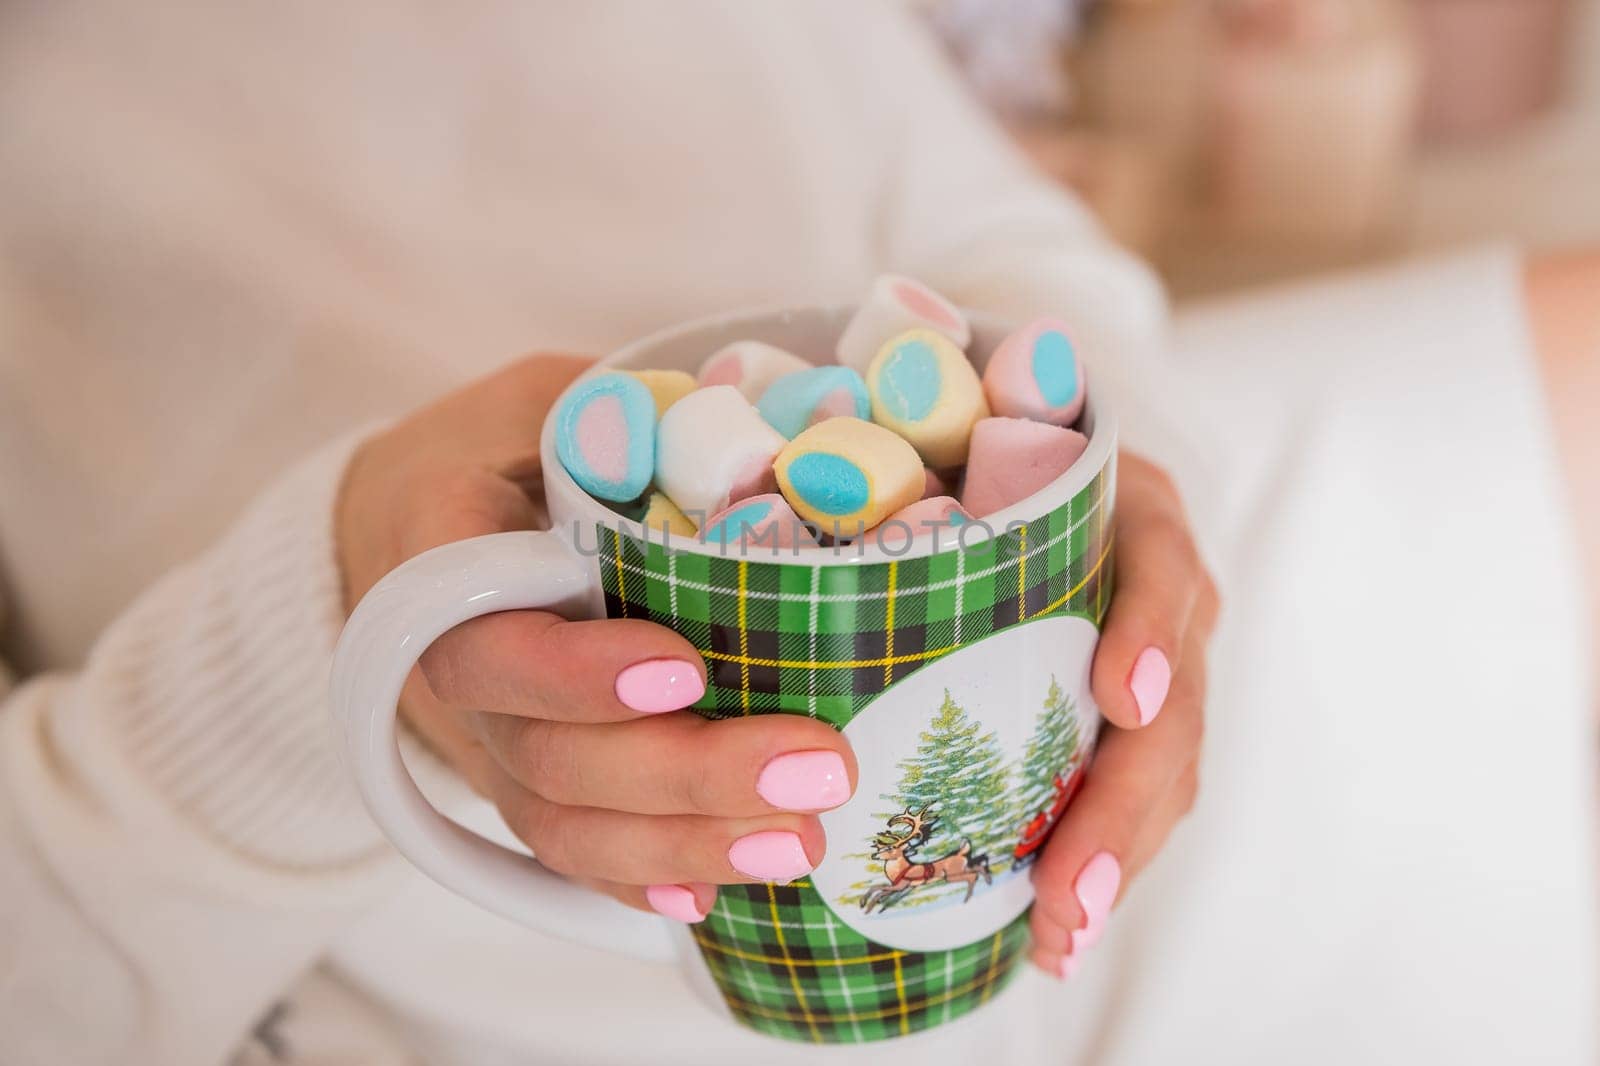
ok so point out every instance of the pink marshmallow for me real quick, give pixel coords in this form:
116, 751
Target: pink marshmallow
765, 521
1036, 373
919, 518
1012, 458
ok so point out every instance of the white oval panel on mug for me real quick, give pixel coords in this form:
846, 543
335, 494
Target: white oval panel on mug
965, 767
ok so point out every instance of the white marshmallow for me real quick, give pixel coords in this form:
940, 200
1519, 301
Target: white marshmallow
749, 366
712, 449
895, 305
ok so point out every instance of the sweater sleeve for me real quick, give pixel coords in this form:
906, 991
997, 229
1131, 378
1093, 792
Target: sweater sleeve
962, 209
178, 841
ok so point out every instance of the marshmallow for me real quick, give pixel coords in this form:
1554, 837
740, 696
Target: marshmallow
712, 448
917, 520
765, 521
894, 306
661, 515
605, 436
749, 366
807, 397
847, 474
924, 389
1036, 373
1012, 458
667, 386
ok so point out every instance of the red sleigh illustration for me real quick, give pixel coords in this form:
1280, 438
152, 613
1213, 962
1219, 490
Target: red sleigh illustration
1037, 829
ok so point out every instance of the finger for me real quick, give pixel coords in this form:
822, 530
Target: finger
640, 849
1052, 941
1164, 817
536, 664
1097, 847
1160, 582
688, 903
1061, 964
677, 763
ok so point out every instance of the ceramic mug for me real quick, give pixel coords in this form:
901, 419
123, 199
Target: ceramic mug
956, 662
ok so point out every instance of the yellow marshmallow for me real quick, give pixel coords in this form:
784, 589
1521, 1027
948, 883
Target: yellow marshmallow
667, 386
924, 389
848, 474
662, 514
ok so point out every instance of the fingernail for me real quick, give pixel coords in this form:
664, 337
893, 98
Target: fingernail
676, 902
805, 781
1069, 966
658, 685
1151, 677
772, 855
1096, 889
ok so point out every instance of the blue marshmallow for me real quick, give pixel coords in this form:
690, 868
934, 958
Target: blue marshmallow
605, 436
806, 397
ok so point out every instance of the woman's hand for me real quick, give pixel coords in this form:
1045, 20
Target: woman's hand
566, 726
1149, 678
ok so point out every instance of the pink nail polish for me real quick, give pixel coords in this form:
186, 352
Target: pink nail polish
772, 855
1149, 681
805, 781
658, 685
676, 902
1096, 889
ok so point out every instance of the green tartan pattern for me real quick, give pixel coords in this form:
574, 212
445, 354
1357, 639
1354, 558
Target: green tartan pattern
788, 967
825, 641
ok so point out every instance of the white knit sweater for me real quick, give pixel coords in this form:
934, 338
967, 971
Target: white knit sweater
233, 233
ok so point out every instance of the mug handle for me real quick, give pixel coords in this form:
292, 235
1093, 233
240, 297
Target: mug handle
394, 622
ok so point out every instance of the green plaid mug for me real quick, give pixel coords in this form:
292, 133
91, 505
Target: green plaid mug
956, 661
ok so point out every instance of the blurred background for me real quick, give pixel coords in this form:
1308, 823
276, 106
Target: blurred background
1234, 142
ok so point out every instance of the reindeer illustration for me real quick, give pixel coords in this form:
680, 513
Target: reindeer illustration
905, 874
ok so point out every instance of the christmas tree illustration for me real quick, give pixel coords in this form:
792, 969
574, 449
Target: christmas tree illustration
1052, 753
960, 773
1051, 750
959, 777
